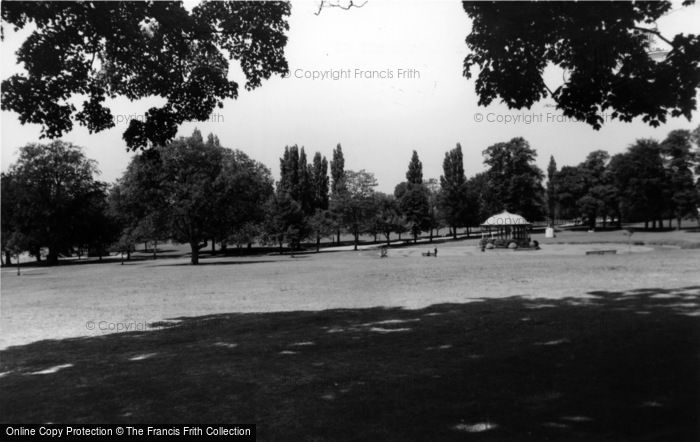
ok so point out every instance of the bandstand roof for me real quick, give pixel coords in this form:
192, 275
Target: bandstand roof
505, 218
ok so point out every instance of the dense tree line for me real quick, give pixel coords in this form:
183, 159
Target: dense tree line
195, 191
198, 192
651, 182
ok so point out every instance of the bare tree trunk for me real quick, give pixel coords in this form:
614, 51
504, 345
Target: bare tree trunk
18, 264
454, 232
194, 246
357, 239
213, 246
318, 242
52, 258
8, 258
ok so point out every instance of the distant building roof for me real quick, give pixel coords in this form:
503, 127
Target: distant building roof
505, 218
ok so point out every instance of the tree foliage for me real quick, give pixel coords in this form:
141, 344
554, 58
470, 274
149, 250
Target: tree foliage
454, 198
285, 221
51, 197
388, 216
337, 170
355, 203
414, 175
478, 193
680, 158
414, 199
514, 181
551, 190
587, 190
194, 187
604, 51
306, 185
320, 182
102, 50
640, 177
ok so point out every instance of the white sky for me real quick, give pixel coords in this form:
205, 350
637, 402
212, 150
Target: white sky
378, 121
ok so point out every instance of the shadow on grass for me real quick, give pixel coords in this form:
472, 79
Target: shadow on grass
608, 366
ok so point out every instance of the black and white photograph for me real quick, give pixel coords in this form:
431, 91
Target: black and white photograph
350, 220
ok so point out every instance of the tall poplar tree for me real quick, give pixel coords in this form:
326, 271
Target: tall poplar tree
453, 190
415, 203
551, 189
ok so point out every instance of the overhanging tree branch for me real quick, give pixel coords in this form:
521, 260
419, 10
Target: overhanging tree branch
654, 32
327, 4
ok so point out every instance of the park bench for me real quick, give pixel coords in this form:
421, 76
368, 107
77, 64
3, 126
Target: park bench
601, 252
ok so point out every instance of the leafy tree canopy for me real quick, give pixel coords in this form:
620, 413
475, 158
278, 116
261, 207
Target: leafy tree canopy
454, 201
641, 179
604, 50
50, 195
199, 190
101, 50
414, 175
514, 180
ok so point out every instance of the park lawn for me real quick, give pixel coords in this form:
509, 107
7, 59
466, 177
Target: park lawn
348, 346
615, 366
687, 238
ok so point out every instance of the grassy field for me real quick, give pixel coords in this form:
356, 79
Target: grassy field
499, 345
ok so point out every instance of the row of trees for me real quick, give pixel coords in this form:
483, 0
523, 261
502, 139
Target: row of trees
650, 182
198, 192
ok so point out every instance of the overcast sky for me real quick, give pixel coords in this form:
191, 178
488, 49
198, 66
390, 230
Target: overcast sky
378, 121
